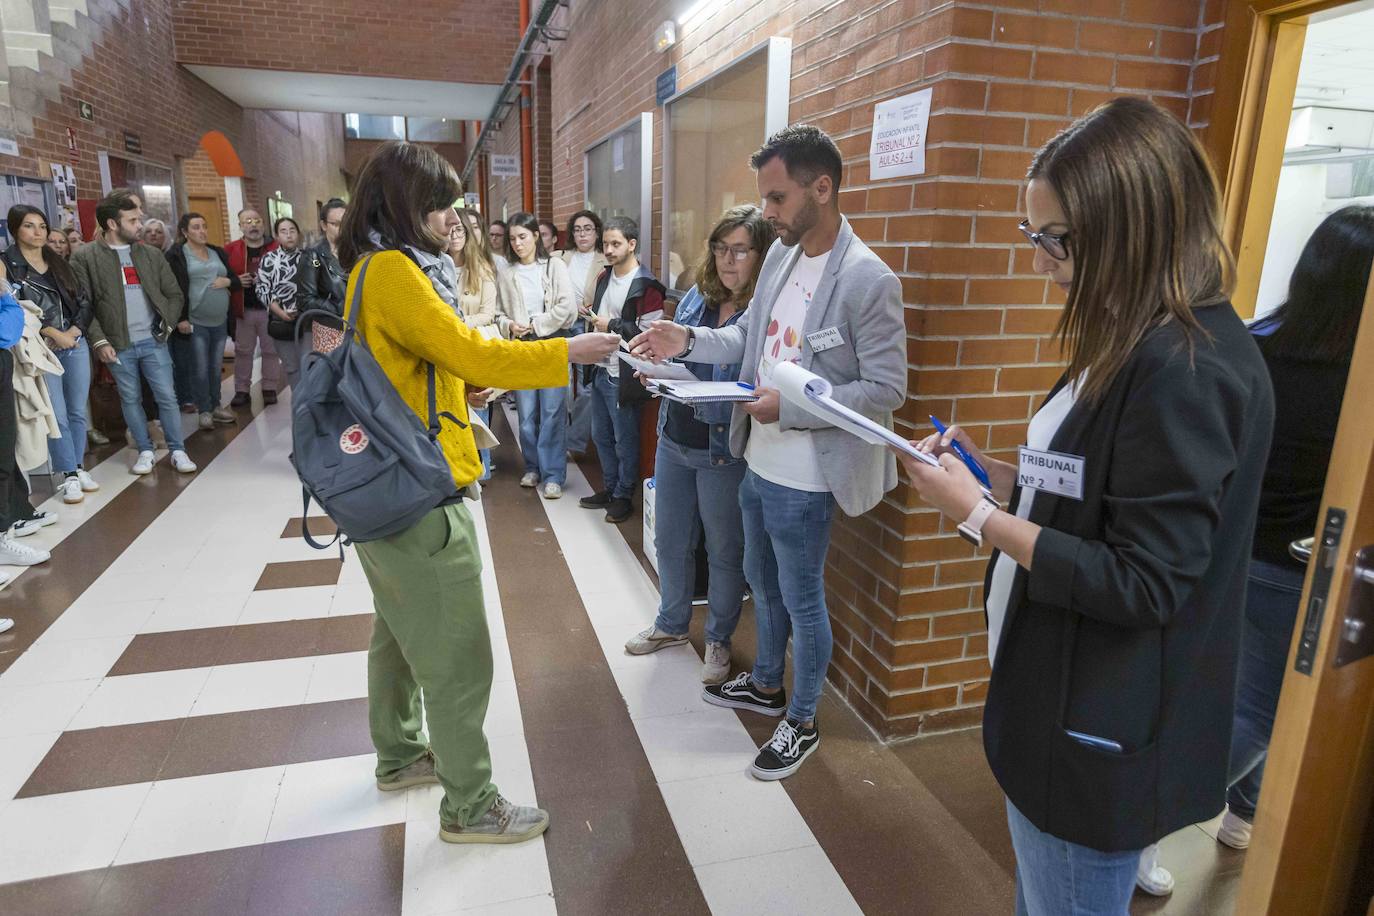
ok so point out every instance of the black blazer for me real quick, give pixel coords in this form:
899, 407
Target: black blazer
176, 259
644, 297
1128, 625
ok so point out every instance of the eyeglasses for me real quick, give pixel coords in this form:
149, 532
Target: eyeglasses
584, 230
252, 222
737, 252
1054, 244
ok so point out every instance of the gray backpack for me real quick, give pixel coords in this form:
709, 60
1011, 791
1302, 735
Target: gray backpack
358, 448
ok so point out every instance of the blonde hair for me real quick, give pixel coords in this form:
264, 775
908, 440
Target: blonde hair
479, 266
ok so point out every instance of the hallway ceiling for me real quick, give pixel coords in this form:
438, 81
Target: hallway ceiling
1337, 69
286, 90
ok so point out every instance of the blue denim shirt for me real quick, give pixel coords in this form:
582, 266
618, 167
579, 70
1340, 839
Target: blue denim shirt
690, 312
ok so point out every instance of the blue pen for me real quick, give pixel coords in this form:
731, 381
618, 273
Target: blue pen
978, 470
745, 385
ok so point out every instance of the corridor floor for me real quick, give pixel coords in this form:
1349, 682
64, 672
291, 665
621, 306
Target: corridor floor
184, 731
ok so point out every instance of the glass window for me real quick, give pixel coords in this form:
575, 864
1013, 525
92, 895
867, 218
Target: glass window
374, 127
435, 130
713, 129
152, 183
613, 176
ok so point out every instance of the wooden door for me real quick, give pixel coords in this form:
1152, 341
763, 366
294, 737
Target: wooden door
209, 207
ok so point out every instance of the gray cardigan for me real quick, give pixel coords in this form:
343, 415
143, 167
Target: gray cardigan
861, 298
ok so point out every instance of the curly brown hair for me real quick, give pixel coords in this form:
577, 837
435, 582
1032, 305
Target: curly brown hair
761, 236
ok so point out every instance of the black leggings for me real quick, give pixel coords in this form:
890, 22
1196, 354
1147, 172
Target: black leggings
14, 490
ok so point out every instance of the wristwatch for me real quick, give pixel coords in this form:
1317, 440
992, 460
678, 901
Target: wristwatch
691, 342
971, 529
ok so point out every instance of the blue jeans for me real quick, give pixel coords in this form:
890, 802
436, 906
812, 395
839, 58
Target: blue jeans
1057, 878
183, 367
544, 432
483, 412
692, 494
69, 392
209, 346
615, 430
784, 560
580, 422
1272, 597
149, 360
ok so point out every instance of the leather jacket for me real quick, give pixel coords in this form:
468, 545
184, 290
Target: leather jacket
61, 308
321, 282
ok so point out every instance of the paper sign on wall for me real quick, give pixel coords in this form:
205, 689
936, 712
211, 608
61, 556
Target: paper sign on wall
618, 153
505, 166
64, 188
898, 147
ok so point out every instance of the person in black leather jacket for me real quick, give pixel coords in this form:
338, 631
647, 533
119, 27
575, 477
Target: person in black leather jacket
42, 276
320, 284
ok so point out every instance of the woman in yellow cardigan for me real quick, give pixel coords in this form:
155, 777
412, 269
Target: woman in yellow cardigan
430, 630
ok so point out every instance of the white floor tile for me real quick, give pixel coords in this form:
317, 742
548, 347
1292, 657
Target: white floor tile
148, 697
439, 875
667, 683
21, 757
87, 620
708, 742
73, 831
203, 813
338, 677
776, 883
52, 661
279, 604
332, 796
503, 668
351, 598
39, 708
210, 611
503, 712
543, 905
254, 685
761, 818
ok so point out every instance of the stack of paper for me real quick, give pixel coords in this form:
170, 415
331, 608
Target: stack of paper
696, 392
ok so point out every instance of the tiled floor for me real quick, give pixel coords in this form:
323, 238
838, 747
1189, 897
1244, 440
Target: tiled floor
184, 730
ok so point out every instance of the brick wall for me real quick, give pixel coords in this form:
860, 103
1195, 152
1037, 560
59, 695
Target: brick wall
201, 180
426, 39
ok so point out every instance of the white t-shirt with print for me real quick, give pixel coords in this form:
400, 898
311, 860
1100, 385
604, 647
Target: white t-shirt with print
787, 457
612, 303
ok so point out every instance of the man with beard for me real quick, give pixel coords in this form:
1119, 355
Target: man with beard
827, 302
249, 313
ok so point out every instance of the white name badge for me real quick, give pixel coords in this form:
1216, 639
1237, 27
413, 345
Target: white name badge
824, 339
1051, 472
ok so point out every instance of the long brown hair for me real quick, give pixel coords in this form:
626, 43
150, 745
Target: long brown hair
761, 237
396, 187
1144, 231
478, 265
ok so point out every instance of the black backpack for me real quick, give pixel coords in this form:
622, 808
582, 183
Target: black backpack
358, 448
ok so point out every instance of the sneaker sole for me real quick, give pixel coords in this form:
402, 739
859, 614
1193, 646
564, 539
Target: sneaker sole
73, 502
1154, 890
710, 677
774, 775
407, 783
552, 495
585, 506
616, 521
658, 644
493, 838
1233, 842
137, 473
725, 703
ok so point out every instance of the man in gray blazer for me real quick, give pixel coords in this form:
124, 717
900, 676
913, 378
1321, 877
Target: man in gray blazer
825, 301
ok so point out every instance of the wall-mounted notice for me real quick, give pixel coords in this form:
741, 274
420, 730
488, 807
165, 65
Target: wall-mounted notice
898, 147
505, 166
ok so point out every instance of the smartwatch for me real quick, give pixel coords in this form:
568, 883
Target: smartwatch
971, 529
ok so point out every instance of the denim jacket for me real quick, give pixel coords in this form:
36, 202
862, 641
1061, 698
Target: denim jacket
690, 312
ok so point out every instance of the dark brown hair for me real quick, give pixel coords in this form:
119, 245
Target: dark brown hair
806, 151
57, 265
396, 187
761, 235
111, 205
1144, 231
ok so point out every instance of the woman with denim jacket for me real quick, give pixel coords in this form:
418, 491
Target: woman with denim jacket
696, 479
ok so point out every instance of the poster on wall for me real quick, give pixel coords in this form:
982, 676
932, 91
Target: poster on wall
505, 166
898, 147
64, 187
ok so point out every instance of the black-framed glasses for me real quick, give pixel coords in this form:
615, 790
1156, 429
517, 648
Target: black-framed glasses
736, 252
584, 230
1055, 244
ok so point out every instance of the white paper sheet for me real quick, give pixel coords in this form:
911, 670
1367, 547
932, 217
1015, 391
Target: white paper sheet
698, 392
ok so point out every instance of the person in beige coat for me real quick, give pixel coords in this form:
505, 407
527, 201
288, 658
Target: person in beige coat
33, 359
585, 261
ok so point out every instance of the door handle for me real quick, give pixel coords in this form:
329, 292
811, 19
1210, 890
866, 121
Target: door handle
1356, 634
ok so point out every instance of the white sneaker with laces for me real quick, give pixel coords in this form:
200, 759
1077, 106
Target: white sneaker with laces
13, 553
182, 463
70, 491
27, 526
530, 480
1234, 830
88, 483
144, 464
716, 667
651, 640
5, 623
552, 490
1150, 876
207, 420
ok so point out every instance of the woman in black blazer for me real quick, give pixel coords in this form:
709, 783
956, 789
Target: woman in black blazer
1115, 589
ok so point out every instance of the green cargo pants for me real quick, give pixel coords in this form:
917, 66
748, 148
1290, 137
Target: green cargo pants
430, 634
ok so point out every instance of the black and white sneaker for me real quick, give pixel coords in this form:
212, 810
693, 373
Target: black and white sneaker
740, 693
783, 755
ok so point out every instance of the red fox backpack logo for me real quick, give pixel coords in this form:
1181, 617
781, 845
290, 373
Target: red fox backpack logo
353, 440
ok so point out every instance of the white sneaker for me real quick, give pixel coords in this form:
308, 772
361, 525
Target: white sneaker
651, 640
207, 420
224, 415
5, 623
716, 668
144, 464
13, 553
27, 526
70, 491
530, 480
1150, 876
88, 484
1234, 830
552, 490
182, 463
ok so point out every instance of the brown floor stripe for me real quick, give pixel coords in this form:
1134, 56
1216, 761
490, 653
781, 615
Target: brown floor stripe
251, 642
299, 574
359, 873
612, 847
93, 758
321, 526
43, 593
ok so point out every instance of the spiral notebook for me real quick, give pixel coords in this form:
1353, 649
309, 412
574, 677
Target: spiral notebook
701, 392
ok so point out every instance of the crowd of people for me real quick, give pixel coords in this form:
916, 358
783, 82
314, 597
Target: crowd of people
1196, 454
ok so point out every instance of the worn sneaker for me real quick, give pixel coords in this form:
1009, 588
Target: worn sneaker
182, 463
88, 483
70, 491
1234, 830
144, 464
651, 640
96, 437
552, 490
207, 421
13, 553
596, 501
5, 623
784, 754
27, 526
241, 399
620, 509
741, 693
530, 480
1150, 876
716, 667
223, 415
269, 396
503, 823
419, 773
